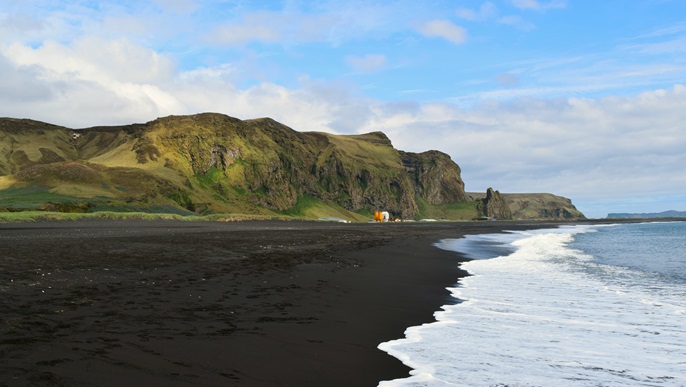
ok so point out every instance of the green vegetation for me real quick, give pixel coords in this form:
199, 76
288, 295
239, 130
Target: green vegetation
205, 163
210, 163
182, 199
451, 211
210, 178
30, 198
128, 208
360, 149
309, 207
34, 216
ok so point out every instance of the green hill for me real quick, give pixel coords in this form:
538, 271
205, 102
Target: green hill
212, 163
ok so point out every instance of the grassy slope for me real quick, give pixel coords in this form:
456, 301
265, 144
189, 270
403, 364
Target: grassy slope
363, 153
30, 197
113, 177
33, 216
451, 211
309, 207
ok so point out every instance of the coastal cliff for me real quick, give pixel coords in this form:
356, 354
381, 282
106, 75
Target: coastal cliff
533, 206
215, 163
212, 163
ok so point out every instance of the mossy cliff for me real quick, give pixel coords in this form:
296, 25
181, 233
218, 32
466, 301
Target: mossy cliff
215, 163
522, 206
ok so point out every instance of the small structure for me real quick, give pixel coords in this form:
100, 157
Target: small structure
381, 216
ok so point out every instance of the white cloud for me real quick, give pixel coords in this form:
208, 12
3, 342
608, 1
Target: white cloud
330, 22
368, 63
486, 11
538, 5
444, 29
580, 148
272, 27
91, 80
97, 60
517, 22
536, 135
573, 146
14, 26
177, 6
241, 34
94, 82
20, 85
507, 79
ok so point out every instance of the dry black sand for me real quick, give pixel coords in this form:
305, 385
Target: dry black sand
246, 303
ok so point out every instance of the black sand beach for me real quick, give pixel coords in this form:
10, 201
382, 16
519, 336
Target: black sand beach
218, 304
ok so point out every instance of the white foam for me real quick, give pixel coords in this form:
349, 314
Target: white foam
547, 315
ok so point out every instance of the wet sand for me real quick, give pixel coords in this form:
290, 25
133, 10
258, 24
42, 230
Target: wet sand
218, 304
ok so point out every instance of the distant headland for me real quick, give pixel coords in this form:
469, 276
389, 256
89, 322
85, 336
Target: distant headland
648, 215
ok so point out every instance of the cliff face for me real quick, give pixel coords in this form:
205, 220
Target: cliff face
542, 206
435, 176
494, 206
531, 206
212, 162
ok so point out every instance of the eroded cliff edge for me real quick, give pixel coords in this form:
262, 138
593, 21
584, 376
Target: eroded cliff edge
210, 162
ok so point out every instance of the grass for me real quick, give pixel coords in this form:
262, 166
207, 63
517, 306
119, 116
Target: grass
451, 211
30, 197
31, 141
182, 199
117, 153
107, 177
150, 209
210, 178
309, 207
357, 152
35, 216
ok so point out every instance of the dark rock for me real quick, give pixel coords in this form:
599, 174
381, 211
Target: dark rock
494, 206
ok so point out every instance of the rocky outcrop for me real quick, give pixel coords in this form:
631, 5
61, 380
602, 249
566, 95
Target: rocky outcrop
542, 206
494, 206
537, 206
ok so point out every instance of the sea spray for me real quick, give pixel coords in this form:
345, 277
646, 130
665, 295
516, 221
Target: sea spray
551, 313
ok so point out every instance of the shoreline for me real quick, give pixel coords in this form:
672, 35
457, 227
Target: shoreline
255, 303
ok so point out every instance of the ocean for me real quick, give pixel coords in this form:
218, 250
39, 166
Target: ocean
587, 305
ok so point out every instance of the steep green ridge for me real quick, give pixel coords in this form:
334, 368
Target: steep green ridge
215, 164
212, 163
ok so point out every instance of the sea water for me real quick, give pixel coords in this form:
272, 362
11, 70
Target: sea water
589, 305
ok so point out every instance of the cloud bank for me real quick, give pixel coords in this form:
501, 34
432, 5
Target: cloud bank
533, 124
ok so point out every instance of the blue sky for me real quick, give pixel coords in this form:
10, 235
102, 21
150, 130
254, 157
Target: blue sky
581, 98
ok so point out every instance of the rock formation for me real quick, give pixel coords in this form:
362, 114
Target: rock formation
536, 206
494, 206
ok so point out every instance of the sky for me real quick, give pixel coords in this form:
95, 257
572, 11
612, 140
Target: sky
581, 98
